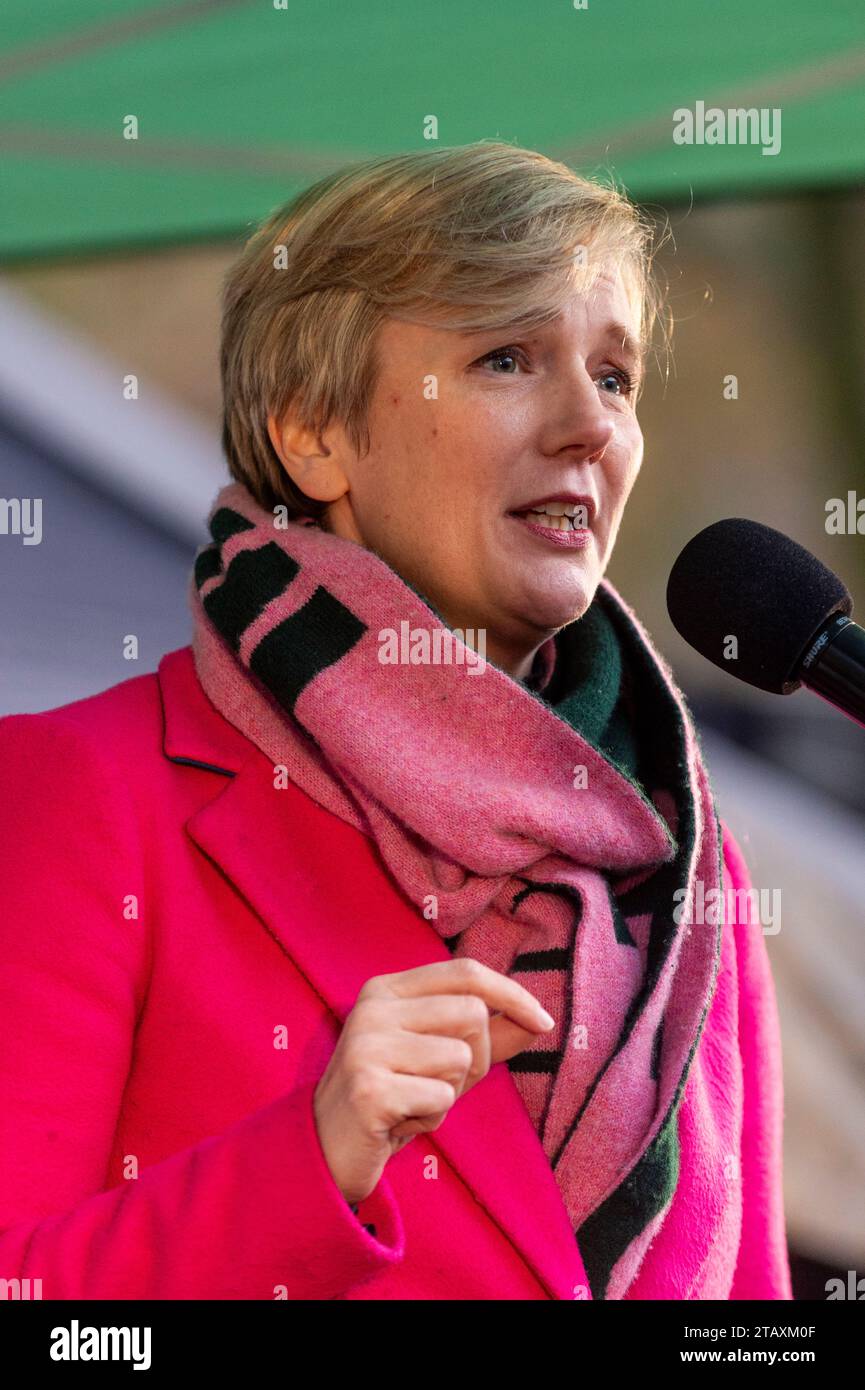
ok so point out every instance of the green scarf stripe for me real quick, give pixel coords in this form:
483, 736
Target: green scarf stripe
226, 523
572, 896
666, 765
665, 880
639, 900
622, 930
253, 578
620, 743
606, 1234
585, 689
536, 1062
548, 1061
317, 636
592, 699
208, 564
663, 929
655, 1065
553, 958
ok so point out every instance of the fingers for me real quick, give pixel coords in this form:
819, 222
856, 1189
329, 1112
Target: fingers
425, 1036
415, 1104
463, 976
449, 1055
461, 1018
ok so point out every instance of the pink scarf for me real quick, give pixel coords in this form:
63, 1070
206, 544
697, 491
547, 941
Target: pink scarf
523, 842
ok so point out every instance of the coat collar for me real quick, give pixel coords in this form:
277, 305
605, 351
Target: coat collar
361, 926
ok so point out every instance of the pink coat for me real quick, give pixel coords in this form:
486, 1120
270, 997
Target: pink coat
180, 943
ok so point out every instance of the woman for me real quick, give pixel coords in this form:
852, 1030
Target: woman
349, 961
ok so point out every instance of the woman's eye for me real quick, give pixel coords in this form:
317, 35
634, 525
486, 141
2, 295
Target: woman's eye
512, 353
626, 383
624, 379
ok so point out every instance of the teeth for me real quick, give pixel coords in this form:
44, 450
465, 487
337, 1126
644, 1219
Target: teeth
561, 516
560, 508
553, 522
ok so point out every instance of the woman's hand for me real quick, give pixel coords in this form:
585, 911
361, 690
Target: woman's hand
411, 1045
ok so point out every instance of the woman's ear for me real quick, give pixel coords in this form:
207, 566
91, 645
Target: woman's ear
313, 465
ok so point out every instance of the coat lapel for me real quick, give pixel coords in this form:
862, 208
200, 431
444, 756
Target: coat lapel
319, 888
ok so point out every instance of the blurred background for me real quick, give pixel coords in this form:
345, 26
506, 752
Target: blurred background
141, 142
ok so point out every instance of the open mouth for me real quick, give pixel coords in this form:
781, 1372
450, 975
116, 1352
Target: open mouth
568, 529
571, 518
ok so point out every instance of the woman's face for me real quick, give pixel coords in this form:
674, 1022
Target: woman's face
510, 420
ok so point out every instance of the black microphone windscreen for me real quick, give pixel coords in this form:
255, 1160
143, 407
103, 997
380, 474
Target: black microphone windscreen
738, 578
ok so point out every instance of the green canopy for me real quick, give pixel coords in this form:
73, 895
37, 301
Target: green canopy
239, 103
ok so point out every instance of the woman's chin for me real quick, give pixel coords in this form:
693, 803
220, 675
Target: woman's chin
560, 602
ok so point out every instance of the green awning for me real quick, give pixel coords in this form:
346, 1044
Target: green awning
241, 102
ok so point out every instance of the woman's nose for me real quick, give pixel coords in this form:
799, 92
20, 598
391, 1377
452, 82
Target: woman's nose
585, 421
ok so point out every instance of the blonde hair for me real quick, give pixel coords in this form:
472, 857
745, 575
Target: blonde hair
468, 237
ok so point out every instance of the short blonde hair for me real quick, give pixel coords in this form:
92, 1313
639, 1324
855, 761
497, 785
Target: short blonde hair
467, 237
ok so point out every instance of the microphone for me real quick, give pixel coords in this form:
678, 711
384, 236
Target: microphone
789, 614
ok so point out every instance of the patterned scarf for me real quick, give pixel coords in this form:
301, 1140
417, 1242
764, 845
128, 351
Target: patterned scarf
514, 815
